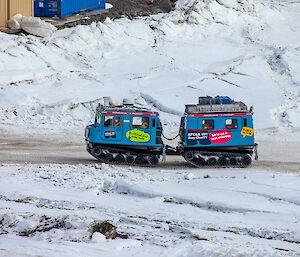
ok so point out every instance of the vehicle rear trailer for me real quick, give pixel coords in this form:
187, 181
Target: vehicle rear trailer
217, 132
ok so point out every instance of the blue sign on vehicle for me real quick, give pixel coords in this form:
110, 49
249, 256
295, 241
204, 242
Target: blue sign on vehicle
202, 137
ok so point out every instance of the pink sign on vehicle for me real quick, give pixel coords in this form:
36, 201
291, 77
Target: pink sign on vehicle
220, 136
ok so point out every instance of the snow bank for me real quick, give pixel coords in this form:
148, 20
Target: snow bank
163, 62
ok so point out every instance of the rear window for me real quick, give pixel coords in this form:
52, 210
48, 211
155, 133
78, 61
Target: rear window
231, 124
112, 121
208, 124
140, 122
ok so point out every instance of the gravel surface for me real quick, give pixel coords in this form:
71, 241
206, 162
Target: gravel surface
126, 8
50, 147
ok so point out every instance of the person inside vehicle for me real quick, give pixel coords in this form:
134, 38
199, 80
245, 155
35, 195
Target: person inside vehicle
117, 121
145, 123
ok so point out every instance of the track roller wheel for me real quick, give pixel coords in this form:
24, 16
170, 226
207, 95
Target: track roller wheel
129, 159
199, 161
97, 151
222, 161
233, 161
212, 161
246, 160
102, 156
153, 160
120, 158
189, 155
140, 160
108, 157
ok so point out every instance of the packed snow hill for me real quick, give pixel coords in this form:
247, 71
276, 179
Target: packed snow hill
248, 50
49, 90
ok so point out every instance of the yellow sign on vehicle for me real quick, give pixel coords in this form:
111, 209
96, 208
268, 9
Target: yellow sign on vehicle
137, 136
247, 131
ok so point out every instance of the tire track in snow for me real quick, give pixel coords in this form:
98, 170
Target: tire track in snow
122, 187
270, 197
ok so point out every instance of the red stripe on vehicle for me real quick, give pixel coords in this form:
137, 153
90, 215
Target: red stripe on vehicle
144, 114
112, 112
219, 115
129, 113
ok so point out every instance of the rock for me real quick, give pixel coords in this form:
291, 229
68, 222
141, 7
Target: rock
106, 229
164, 5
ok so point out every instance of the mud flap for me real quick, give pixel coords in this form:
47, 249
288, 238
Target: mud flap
255, 152
164, 154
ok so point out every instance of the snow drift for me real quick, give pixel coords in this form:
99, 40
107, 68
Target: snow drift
246, 49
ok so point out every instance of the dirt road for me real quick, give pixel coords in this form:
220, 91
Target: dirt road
53, 148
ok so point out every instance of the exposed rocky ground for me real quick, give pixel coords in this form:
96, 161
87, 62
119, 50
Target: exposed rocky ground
126, 8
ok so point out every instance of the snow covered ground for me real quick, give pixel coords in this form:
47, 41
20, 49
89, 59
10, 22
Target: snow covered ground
246, 49
49, 210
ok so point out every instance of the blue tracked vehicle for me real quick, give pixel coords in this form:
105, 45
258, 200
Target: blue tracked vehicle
125, 135
217, 132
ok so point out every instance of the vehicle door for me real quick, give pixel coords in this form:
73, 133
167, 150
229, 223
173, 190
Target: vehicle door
234, 126
140, 129
112, 127
205, 126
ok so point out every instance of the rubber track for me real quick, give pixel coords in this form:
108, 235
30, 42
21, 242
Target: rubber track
205, 155
125, 153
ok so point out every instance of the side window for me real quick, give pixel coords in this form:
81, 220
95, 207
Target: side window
112, 121
245, 122
140, 122
208, 124
231, 123
153, 123
182, 122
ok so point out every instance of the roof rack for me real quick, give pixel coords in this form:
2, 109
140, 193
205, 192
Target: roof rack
216, 104
125, 107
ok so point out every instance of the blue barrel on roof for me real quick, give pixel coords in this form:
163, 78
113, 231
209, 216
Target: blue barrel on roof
223, 100
64, 8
